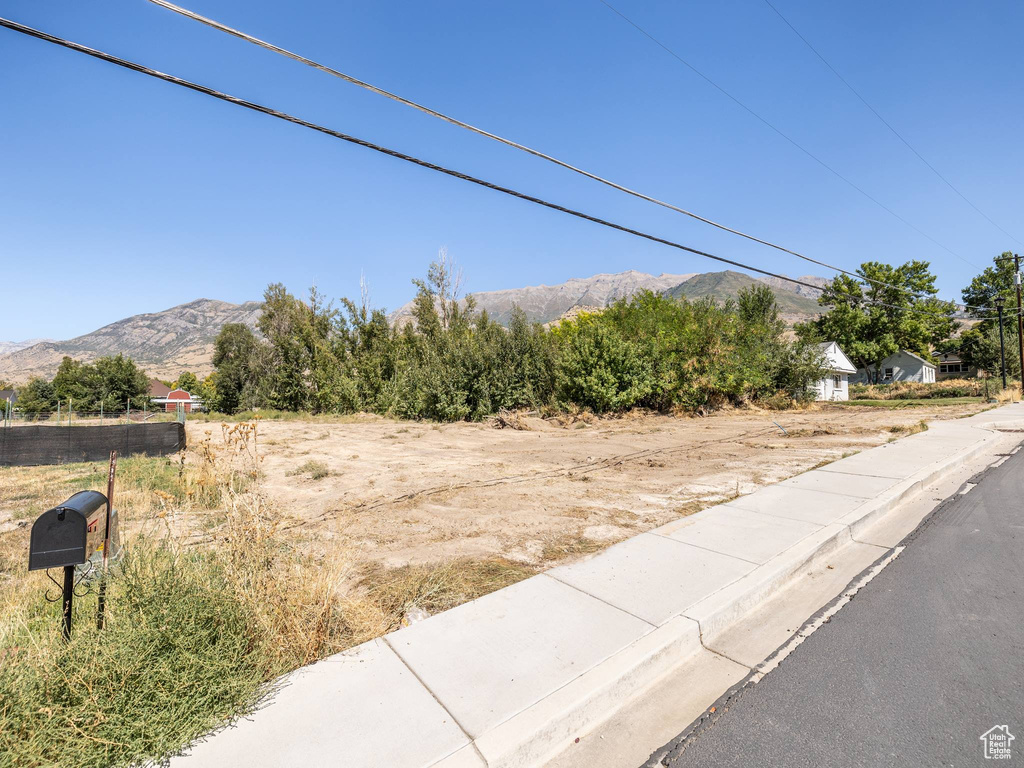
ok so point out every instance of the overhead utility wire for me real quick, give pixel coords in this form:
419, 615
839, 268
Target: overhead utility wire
786, 136
508, 142
23, 29
886, 123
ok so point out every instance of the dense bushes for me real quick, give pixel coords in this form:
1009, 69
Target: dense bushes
452, 363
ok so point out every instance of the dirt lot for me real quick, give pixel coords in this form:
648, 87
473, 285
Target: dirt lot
397, 493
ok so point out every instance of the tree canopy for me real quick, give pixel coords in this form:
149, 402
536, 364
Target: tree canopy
452, 363
888, 309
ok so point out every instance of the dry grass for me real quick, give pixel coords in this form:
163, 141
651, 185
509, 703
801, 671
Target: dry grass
384, 598
316, 470
903, 430
568, 546
272, 605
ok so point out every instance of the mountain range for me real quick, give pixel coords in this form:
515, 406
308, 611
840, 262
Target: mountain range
163, 343
181, 338
7, 347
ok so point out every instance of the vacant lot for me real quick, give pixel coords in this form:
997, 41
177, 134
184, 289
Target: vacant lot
293, 539
397, 493
389, 493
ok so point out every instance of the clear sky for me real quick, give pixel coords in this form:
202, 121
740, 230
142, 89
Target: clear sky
120, 194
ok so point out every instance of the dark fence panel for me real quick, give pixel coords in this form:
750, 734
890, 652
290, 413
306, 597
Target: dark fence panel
27, 446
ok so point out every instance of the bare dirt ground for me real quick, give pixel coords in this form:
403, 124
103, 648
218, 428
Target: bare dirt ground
407, 493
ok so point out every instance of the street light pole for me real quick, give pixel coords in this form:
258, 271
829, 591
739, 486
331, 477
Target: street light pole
1002, 348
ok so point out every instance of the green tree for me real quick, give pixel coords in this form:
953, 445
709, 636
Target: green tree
235, 356
75, 381
37, 397
889, 309
599, 368
993, 282
188, 382
979, 346
117, 381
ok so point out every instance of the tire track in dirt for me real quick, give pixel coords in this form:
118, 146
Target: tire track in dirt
584, 468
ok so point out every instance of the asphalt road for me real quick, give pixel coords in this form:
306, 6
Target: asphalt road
927, 657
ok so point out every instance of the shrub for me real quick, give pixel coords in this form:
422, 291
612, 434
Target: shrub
179, 653
916, 390
452, 363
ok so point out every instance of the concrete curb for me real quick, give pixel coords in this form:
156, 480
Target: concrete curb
514, 677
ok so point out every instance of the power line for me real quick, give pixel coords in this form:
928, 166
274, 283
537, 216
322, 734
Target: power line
508, 142
885, 122
777, 130
15, 26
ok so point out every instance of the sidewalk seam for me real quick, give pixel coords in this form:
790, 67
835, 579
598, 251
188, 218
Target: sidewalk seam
610, 605
421, 681
708, 549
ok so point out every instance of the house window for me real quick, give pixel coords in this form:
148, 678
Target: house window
837, 380
952, 367
887, 376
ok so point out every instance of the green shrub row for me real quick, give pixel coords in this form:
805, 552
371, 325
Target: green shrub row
452, 363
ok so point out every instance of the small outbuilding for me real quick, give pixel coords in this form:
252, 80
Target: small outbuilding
836, 384
902, 366
176, 397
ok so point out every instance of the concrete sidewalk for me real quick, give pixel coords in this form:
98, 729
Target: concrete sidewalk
511, 679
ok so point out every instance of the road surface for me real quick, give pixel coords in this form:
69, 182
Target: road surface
927, 658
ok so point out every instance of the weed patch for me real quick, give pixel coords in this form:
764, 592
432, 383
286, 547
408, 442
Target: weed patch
316, 470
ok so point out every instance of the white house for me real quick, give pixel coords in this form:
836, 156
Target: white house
902, 366
836, 385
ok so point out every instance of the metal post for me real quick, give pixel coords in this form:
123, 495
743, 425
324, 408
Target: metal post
1020, 322
1002, 348
101, 601
58, 413
69, 595
101, 413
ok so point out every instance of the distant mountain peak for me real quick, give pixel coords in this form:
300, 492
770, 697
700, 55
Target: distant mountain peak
180, 338
545, 303
164, 343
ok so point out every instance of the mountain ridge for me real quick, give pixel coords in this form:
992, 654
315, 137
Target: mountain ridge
163, 343
545, 303
181, 338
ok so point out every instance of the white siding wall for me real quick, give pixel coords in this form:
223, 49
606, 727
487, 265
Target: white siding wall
826, 389
904, 368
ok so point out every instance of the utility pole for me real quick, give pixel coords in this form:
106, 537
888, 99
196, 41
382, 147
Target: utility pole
1020, 321
1000, 300
1020, 316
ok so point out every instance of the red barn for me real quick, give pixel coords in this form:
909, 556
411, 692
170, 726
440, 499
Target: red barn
176, 396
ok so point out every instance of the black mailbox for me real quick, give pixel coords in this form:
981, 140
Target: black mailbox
68, 534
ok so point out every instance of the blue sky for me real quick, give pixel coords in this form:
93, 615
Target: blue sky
120, 194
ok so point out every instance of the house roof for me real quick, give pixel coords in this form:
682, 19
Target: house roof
836, 358
158, 389
916, 357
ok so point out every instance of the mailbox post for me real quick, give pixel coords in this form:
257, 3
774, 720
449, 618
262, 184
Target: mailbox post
66, 536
